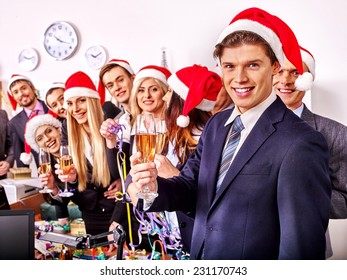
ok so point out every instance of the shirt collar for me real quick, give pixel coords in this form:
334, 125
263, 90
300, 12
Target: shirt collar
38, 107
251, 116
298, 111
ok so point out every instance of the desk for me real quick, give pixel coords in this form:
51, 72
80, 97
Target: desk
32, 202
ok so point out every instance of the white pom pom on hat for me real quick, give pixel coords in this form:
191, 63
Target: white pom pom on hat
305, 81
198, 87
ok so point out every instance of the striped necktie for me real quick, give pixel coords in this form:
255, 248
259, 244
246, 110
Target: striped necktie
229, 150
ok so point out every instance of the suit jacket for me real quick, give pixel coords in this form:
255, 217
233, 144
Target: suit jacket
274, 201
17, 130
6, 147
336, 136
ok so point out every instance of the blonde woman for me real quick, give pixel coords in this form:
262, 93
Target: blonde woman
90, 176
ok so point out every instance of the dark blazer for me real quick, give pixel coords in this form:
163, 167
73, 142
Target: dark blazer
6, 147
274, 201
17, 130
335, 134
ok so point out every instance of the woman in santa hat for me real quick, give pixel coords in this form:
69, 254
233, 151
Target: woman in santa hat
44, 131
89, 178
190, 100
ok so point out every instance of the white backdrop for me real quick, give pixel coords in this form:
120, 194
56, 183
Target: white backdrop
136, 31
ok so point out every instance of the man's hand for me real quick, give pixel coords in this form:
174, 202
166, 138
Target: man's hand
143, 174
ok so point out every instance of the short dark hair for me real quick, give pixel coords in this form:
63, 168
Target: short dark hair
110, 66
243, 37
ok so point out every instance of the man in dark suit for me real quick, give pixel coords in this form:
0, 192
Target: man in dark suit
334, 132
274, 200
21, 91
6, 147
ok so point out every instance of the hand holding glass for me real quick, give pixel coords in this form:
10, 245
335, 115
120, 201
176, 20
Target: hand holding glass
145, 143
45, 166
65, 165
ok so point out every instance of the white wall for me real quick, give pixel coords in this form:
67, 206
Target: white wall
136, 30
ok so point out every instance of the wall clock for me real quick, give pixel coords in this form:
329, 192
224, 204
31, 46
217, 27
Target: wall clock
61, 40
28, 59
96, 56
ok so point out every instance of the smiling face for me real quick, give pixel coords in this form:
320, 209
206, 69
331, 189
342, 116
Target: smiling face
48, 137
55, 100
247, 74
77, 107
150, 97
284, 85
24, 94
119, 83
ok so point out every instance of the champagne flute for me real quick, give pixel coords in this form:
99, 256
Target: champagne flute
65, 165
145, 138
161, 131
45, 166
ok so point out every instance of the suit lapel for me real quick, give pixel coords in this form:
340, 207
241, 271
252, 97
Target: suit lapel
215, 157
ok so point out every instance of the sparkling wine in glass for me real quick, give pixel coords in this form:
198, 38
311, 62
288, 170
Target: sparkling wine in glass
161, 131
65, 165
145, 138
45, 166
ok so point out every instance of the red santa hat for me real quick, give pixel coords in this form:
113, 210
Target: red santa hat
14, 78
52, 86
309, 60
153, 71
198, 86
79, 84
122, 63
276, 33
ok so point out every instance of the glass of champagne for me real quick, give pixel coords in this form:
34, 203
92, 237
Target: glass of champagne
45, 166
145, 138
65, 165
161, 131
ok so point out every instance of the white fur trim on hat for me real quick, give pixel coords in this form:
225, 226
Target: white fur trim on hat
34, 124
150, 73
182, 90
26, 158
15, 78
183, 121
178, 86
79, 91
266, 33
125, 65
304, 82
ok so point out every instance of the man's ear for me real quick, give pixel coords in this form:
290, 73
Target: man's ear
276, 68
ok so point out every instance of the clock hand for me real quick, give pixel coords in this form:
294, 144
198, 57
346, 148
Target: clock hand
60, 40
97, 54
28, 57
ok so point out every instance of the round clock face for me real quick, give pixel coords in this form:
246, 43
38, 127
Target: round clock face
60, 40
95, 57
28, 59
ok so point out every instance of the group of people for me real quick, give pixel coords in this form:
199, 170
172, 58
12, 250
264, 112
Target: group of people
247, 171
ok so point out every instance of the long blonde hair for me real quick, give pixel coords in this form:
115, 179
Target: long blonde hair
101, 174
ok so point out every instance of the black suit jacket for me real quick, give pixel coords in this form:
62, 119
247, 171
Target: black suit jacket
6, 147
